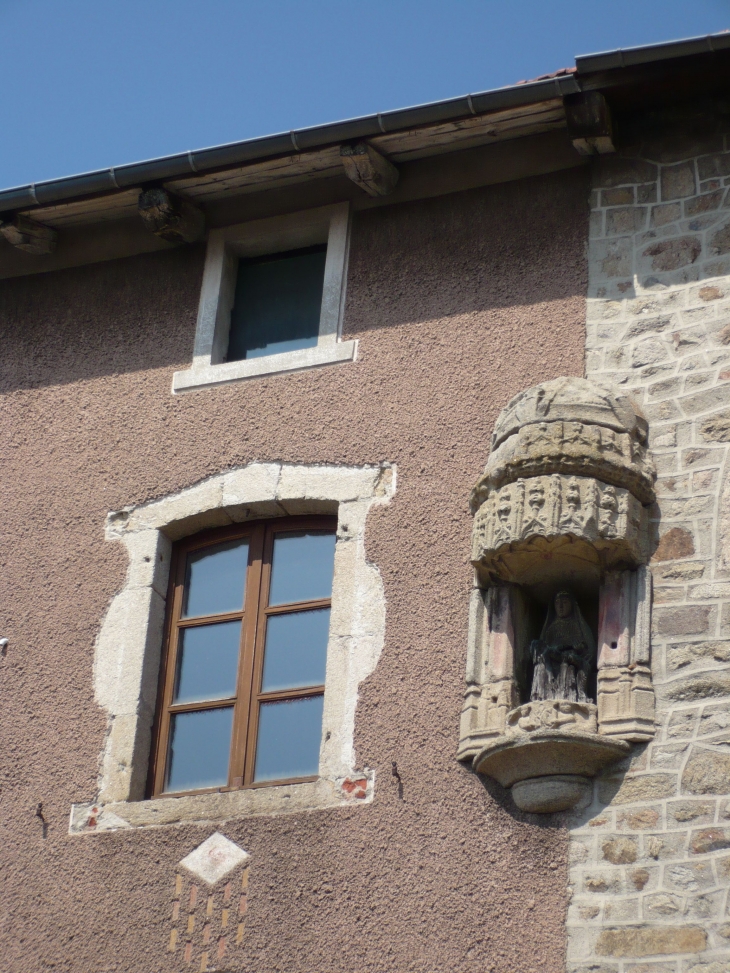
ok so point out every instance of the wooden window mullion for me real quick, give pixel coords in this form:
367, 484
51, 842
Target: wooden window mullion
258, 666
247, 658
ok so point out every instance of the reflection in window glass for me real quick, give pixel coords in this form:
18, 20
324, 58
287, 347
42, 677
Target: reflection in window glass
289, 739
200, 745
215, 579
277, 304
302, 566
207, 662
296, 650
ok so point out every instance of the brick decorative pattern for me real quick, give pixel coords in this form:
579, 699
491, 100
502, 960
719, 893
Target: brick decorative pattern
207, 923
650, 859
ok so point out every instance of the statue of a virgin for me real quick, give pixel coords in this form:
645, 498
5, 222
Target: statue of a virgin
564, 653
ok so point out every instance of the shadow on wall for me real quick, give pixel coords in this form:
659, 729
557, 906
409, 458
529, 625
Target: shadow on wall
512, 245
102, 319
479, 252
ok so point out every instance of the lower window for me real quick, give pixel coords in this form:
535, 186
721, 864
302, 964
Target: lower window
243, 673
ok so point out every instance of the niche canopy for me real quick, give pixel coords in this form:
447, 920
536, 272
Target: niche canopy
561, 521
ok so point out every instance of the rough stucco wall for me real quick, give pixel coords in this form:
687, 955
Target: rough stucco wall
458, 302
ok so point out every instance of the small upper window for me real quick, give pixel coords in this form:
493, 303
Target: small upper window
277, 304
272, 298
242, 681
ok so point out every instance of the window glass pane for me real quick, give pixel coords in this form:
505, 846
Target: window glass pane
215, 579
207, 662
302, 566
289, 739
296, 650
200, 745
277, 303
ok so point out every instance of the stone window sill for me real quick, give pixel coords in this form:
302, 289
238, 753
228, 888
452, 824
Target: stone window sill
222, 805
205, 375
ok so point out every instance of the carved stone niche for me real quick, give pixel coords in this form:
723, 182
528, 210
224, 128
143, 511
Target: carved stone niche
562, 506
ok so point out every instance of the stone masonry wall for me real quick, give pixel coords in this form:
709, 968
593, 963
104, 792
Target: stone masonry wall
650, 859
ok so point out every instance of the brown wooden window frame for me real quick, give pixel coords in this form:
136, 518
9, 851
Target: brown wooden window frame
254, 615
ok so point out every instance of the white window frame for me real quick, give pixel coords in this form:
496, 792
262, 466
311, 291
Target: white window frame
327, 224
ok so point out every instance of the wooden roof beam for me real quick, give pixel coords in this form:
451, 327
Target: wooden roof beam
589, 123
28, 235
368, 169
171, 217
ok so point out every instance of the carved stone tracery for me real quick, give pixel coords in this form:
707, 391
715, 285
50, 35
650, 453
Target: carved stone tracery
562, 504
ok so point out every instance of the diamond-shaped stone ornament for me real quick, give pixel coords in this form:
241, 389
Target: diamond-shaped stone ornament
214, 859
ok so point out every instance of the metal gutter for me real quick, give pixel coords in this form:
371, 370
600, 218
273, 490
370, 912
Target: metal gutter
105, 181
632, 56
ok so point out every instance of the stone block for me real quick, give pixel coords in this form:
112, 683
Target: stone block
664, 214
625, 219
618, 197
596, 224
685, 654
684, 571
714, 165
708, 840
715, 719
613, 258
195, 507
662, 906
673, 253
629, 941
630, 790
253, 484
688, 507
720, 241
600, 882
688, 620
707, 771
621, 909
619, 850
704, 203
667, 388
706, 906
675, 543
642, 878
716, 428
656, 324
682, 723
690, 812
646, 193
149, 560
326, 483
678, 181
700, 687
668, 756
663, 847
611, 171
689, 876
709, 457
640, 819
713, 966
649, 352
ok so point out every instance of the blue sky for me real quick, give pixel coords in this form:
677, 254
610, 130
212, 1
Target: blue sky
89, 84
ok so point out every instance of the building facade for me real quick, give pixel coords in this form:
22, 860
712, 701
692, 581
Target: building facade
574, 228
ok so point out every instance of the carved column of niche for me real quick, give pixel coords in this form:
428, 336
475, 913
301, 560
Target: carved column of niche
491, 691
625, 694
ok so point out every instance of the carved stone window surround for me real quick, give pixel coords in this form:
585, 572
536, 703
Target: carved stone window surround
128, 646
